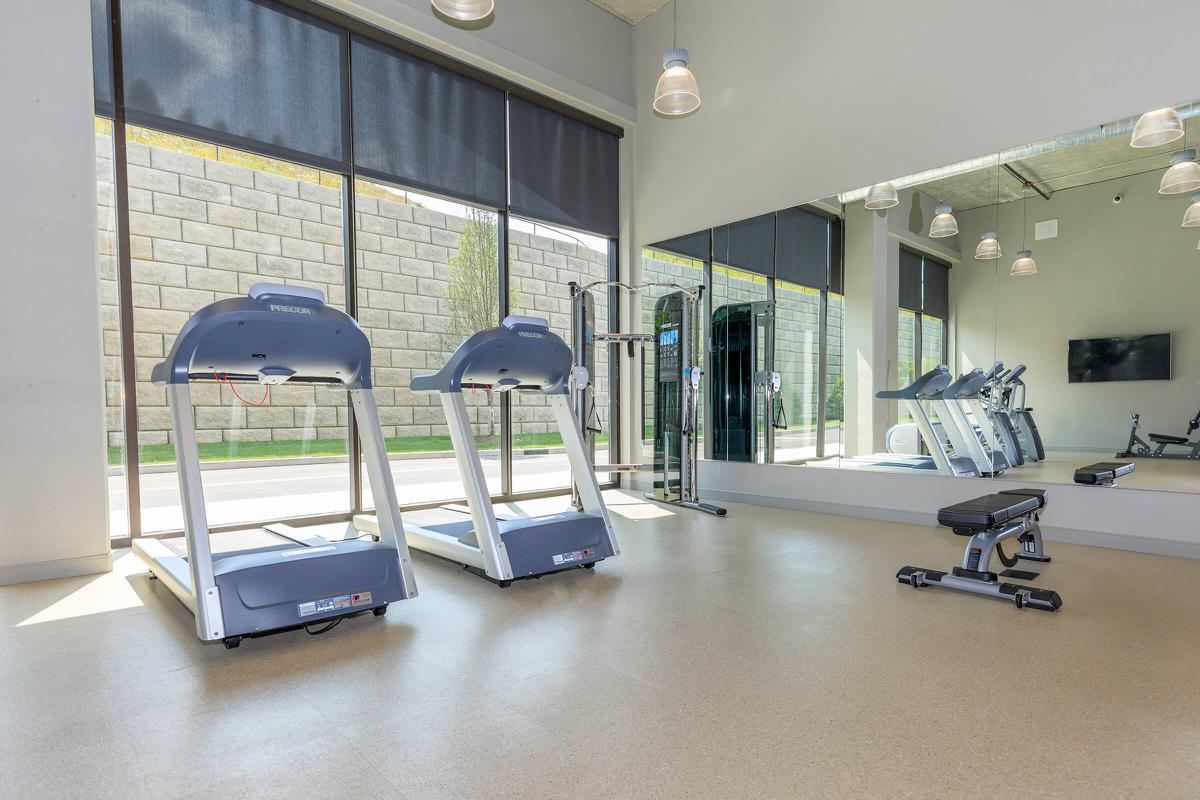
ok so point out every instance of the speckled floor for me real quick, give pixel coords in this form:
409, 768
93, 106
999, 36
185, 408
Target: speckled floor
767, 654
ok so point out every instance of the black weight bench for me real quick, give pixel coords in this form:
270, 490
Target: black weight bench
989, 520
1103, 473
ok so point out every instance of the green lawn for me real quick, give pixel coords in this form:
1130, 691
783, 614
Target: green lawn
235, 451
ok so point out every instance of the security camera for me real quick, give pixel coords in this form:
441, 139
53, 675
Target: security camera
1117, 198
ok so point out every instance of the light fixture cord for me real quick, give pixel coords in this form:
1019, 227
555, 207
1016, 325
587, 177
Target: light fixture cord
674, 24
1025, 215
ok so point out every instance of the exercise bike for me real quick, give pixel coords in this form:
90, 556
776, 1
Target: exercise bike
1159, 442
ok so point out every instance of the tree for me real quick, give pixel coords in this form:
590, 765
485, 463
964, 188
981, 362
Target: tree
474, 288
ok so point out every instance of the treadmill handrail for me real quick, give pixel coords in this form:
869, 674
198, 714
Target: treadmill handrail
274, 331
520, 354
928, 386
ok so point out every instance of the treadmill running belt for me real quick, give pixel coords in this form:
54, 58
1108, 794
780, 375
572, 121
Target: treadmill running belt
232, 542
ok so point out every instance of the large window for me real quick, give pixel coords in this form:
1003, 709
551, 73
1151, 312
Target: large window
922, 343
208, 222
660, 266
236, 169
791, 262
428, 274
543, 260
798, 362
835, 375
110, 318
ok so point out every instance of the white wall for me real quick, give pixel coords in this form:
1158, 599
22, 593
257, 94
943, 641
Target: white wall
52, 501
1113, 270
802, 100
569, 49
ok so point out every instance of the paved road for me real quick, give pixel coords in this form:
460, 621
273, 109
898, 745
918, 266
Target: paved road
248, 494
289, 490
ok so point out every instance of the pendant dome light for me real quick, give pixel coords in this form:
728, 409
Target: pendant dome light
1024, 265
881, 196
1183, 175
464, 11
1191, 217
677, 94
988, 247
1156, 128
944, 224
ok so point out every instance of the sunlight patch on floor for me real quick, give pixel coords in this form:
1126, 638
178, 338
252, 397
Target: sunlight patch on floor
634, 507
109, 592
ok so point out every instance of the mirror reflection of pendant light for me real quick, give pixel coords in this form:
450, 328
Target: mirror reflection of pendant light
988, 247
464, 11
1183, 175
881, 196
1156, 128
1024, 265
1191, 217
944, 224
677, 94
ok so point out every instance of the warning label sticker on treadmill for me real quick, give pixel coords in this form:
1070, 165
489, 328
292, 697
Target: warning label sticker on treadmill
574, 555
324, 606
360, 599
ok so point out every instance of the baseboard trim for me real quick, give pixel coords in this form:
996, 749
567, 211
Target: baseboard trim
62, 568
1114, 541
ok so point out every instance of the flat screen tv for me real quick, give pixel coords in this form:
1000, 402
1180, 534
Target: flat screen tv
1120, 358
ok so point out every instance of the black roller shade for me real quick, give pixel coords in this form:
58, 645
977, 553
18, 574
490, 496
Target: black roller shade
253, 74
426, 127
802, 251
937, 289
562, 171
102, 78
837, 258
748, 245
910, 280
693, 245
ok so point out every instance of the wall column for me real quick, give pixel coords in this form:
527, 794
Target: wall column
52, 483
872, 295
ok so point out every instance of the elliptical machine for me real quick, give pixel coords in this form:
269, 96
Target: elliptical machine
676, 341
1021, 415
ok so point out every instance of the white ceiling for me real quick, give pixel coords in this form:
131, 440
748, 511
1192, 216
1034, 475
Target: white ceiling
632, 11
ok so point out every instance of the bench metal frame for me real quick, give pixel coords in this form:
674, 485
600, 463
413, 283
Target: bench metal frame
975, 577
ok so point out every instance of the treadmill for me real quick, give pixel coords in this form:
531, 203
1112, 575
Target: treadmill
929, 386
255, 582
964, 438
521, 355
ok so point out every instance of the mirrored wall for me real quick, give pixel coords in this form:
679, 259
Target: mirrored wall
1012, 314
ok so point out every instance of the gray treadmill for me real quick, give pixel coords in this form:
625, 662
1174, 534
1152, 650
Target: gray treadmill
929, 386
522, 355
277, 579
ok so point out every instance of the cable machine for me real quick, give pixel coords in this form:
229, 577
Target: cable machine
745, 401
676, 341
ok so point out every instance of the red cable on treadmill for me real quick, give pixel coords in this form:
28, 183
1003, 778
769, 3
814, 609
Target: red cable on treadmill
266, 391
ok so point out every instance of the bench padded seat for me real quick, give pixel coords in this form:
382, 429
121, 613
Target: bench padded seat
1102, 472
988, 511
1166, 438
